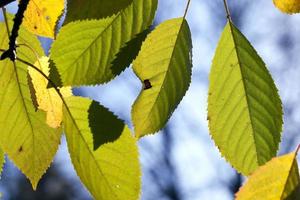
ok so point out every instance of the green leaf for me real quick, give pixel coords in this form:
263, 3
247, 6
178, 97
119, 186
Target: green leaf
84, 50
2, 161
244, 109
277, 179
24, 137
164, 67
102, 149
79, 10
129, 52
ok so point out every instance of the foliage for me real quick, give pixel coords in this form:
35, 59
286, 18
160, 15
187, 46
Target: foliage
169, 47
41, 16
244, 109
97, 41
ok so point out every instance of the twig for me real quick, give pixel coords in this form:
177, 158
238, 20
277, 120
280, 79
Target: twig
298, 148
186, 8
11, 52
228, 16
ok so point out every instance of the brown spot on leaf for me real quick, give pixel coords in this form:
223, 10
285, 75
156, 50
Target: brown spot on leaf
20, 149
35, 27
147, 84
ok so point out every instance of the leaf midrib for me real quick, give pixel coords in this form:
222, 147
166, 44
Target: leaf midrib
96, 39
245, 89
26, 111
89, 150
166, 73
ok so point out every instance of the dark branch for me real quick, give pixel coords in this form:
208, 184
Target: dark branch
11, 52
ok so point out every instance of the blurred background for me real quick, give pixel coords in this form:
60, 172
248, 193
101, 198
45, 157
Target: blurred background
181, 162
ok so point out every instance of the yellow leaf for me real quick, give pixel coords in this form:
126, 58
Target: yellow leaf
288, 6
41, 16
47, 99
276, 180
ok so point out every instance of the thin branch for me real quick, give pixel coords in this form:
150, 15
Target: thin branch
187, 8
228, 16
11, 52
298, 148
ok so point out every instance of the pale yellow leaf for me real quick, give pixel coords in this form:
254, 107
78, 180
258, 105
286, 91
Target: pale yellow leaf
41, 16
48, 100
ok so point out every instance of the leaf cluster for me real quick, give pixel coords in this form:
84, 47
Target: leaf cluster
97, 41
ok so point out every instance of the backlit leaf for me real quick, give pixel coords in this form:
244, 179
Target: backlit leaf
41, 16
278, 179
25, 137
2, 161
84, 50
164, 67
47, 99
79, 10
102, 149
244, 109
288, 6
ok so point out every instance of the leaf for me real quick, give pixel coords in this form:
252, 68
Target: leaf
54, 75
164, 66
244, 109
84, 50
102, 149
47, 99
41, 16
129, 52
80, 10
277, 179
25, 137
288, 6
32, 92
2, 161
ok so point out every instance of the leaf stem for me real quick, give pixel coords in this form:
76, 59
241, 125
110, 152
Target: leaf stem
187, 8
228, 16
298, 148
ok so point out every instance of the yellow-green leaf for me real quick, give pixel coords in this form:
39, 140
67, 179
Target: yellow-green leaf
288, 6
278, 179
41, 16
102, 149
79, 10
84, 51
244, 109
47, 99
2, 161
164, 67
25, 137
